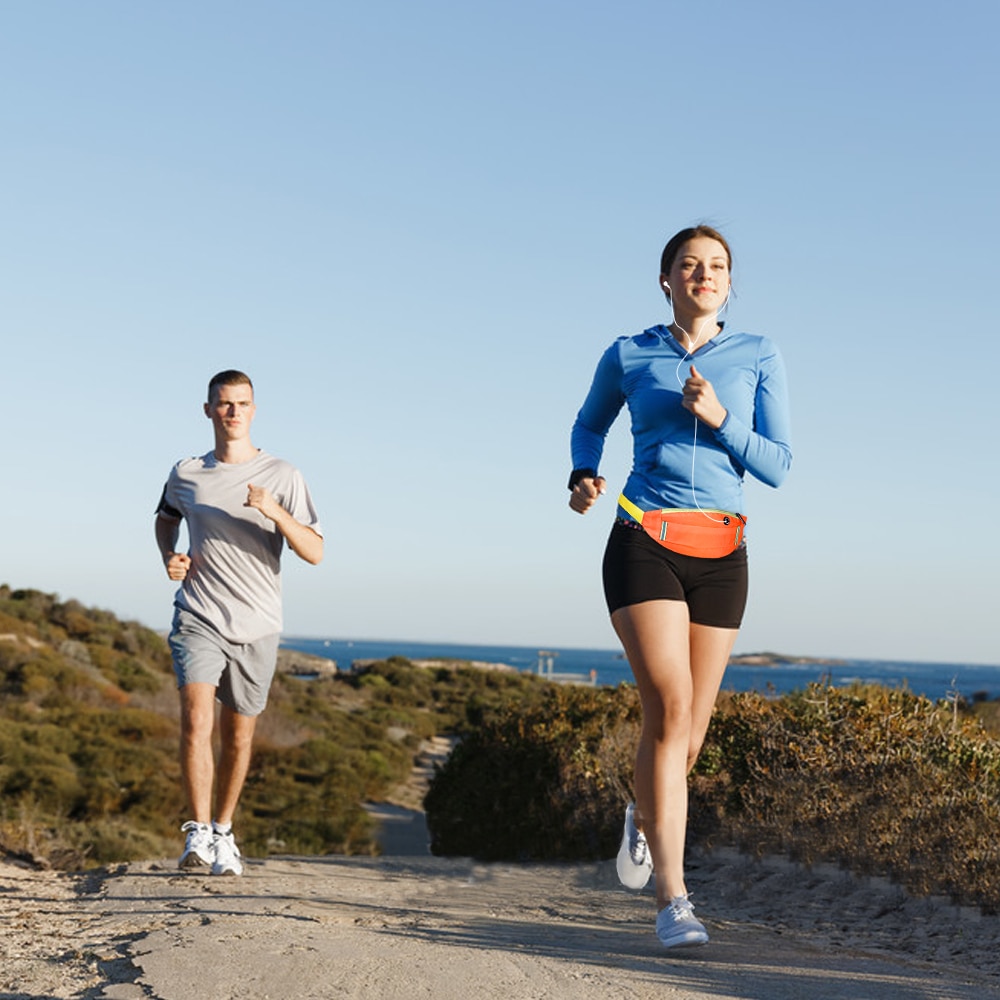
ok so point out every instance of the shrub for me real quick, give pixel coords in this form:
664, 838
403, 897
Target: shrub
879, 780
537, 783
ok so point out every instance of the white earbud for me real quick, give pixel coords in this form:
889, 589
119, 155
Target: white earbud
666, 286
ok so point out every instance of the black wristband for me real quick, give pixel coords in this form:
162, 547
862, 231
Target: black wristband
577, 474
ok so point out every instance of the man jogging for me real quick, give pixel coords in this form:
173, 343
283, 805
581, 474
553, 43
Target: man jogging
241, 506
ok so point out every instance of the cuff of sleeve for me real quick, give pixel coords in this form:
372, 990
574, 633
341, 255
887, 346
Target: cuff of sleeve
720, 431
577, 474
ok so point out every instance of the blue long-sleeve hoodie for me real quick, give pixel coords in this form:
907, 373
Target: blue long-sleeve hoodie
647, 373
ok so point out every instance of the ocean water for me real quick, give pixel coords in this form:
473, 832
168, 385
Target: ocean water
608, 666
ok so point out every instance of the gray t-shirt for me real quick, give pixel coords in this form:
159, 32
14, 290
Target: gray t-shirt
234, 582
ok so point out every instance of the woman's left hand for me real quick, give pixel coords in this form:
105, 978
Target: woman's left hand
699, 398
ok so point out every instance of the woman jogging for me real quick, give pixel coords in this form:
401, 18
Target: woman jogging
707, 405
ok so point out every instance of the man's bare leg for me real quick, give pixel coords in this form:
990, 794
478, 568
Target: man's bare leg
197, 763
236, 732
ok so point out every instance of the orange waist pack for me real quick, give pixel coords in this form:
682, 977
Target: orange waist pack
707, 534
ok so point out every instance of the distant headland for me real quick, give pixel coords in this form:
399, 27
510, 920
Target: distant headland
780, 659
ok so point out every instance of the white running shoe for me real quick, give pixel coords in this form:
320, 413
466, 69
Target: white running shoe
676, 924
199, 848
227, 856
635, 864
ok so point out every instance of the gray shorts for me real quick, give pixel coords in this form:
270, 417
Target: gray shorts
241, 672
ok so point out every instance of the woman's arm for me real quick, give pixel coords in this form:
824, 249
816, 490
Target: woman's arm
603, 403
764, 449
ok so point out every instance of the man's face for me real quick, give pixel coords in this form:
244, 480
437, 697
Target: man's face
231, 411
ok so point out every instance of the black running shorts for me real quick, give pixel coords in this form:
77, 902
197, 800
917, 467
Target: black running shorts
637, 569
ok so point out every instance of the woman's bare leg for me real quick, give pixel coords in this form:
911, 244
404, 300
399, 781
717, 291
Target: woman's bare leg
710, 652
678, 668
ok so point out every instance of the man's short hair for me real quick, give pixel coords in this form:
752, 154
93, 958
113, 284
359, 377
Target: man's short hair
229, 377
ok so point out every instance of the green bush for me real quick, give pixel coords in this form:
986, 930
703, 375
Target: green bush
539, 782
878, 780
881, 781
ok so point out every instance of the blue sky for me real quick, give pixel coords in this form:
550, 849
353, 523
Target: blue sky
417, 226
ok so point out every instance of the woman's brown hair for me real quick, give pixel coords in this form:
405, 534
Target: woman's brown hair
678, 240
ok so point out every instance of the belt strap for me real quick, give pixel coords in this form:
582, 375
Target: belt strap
627, 505
637, 512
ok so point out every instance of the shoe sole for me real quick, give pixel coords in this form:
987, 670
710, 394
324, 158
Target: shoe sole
695, 943
629, 873
193, 863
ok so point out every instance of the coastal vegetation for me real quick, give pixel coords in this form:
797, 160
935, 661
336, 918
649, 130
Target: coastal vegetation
880, 781
89, 740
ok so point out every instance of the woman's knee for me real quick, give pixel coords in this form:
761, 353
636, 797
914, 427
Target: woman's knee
667, 720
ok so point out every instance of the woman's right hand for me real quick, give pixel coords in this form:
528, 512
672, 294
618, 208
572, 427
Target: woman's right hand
586, 491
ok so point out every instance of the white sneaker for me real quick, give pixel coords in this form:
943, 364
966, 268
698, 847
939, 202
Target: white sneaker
199, 848
676, 924
227, 856
635, 864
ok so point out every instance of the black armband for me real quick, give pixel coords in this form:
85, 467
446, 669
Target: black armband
164, 508
577, 474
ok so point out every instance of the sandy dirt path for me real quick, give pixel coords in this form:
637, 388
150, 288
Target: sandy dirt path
451, 928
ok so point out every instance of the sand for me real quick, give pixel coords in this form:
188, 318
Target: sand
418, 926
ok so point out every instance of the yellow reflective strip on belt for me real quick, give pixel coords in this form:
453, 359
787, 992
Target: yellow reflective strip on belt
627, 505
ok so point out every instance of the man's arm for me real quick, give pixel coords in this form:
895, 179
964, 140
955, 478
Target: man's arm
168, 530
302, 540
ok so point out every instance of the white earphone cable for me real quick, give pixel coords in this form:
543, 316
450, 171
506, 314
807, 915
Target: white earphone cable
688, 352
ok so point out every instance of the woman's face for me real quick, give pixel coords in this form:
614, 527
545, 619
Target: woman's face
699, 276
